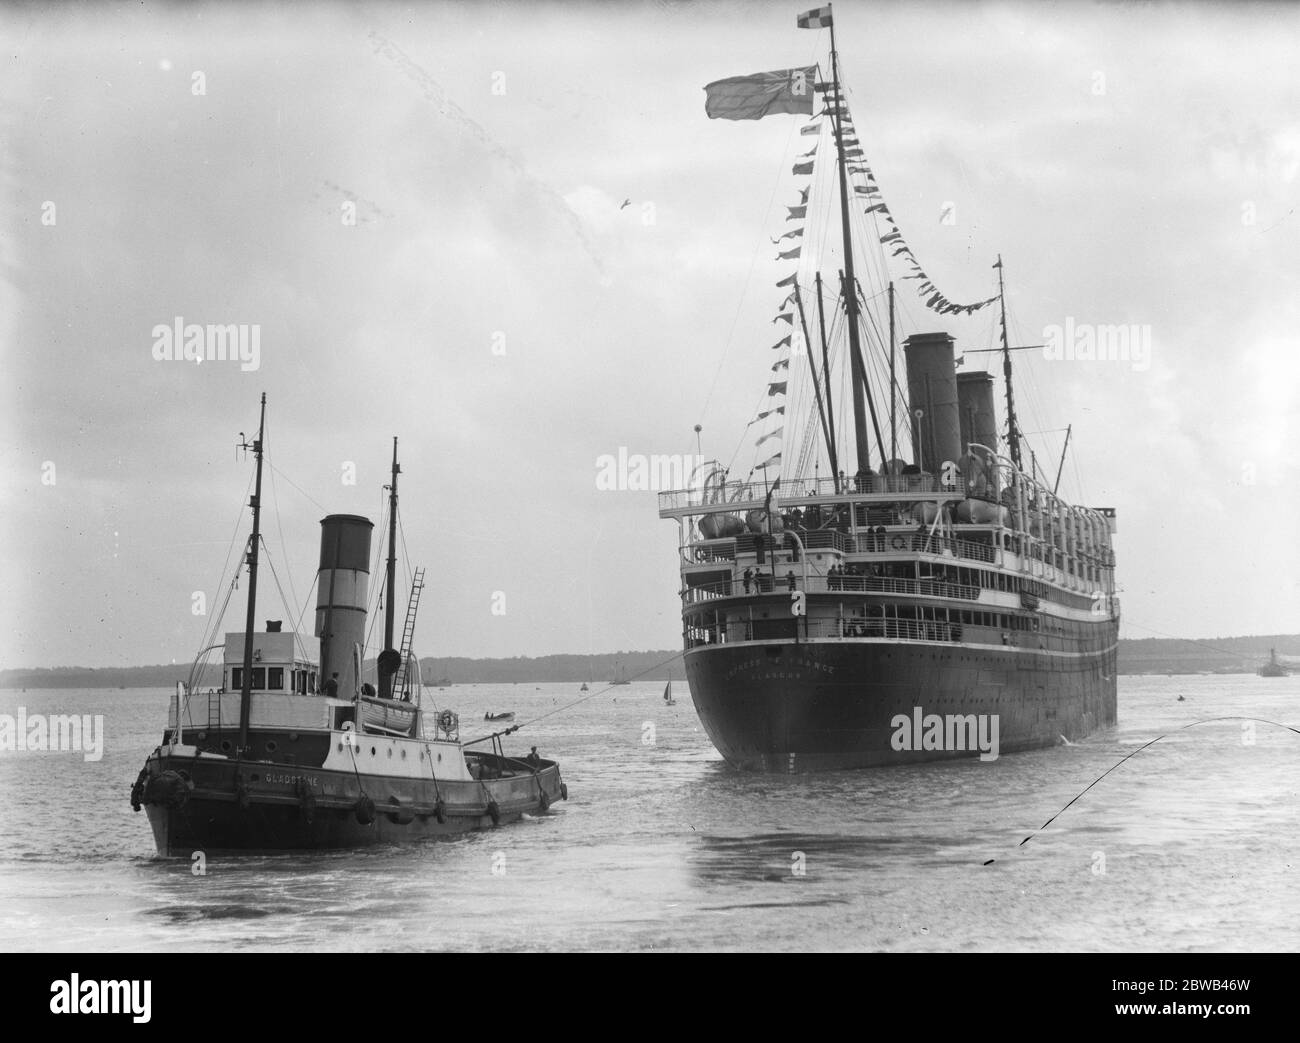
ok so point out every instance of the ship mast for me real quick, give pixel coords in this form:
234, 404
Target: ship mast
246, 685
859, 376
812, 365
893, 396
386, 666
1013, 429
826, 369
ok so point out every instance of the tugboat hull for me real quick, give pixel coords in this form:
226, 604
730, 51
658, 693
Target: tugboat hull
217, 805
821, 706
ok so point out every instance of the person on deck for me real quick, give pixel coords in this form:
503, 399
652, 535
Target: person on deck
332, 686
533, 758
789, 579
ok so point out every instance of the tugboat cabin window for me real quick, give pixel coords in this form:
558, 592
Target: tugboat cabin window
259, 678
276, 678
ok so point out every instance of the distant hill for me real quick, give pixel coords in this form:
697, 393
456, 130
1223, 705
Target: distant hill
638, 666
1217, 655
1156, 655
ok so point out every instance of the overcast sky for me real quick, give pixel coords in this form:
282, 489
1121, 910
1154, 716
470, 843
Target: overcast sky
497, 308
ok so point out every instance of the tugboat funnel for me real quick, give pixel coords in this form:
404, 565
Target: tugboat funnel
341, 595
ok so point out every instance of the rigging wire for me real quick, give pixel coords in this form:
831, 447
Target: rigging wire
284, 601
749, 275
299, 488
279, 528
374, 571
1134, 753
210, 634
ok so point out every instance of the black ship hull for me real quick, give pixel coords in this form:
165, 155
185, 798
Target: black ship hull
220, 806
820, 706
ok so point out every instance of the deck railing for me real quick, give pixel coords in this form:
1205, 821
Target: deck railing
747, 494
763, 583
892, 542
846, 628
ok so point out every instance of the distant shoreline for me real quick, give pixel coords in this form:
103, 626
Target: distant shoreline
1153, 656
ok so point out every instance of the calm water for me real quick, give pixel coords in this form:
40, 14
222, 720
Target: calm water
661, 846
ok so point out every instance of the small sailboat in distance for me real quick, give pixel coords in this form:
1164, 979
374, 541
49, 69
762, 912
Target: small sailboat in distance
668, 694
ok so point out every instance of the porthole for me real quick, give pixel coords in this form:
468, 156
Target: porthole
390, 752
225, 745
403, 755
340, 747
272, 746
372, 751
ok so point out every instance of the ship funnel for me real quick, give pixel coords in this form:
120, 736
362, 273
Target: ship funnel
932, 388
341, 595
975, 398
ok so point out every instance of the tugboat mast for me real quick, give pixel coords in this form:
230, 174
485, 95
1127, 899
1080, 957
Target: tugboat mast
386, 675
246, 685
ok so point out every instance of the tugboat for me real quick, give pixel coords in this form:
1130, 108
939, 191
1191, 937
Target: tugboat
1273, 668
291, 754
876, 604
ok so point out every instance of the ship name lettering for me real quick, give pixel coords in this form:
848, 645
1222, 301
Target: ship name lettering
290, 779
751, 664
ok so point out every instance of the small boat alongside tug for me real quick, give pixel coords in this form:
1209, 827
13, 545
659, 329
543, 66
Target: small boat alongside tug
277, 760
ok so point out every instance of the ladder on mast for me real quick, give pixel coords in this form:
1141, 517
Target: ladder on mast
402, 677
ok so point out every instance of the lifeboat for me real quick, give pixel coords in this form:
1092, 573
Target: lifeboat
391, 716
925, 513
757, 521
982, 512
720, 526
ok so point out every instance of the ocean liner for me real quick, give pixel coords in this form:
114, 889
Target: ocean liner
293, 753
893, 608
